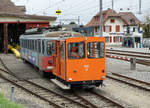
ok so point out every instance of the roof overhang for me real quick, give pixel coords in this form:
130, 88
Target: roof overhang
16, 18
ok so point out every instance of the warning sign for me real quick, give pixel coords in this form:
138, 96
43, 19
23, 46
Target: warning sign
58, 12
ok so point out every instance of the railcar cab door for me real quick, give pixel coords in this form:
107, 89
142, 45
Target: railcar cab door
59, 58
55, 51
62, 59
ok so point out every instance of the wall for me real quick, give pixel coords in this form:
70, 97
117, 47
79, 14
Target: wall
113, 37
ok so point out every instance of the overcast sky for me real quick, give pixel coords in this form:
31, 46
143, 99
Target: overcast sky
86, 9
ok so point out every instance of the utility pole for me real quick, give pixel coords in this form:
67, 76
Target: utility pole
140, 5
101, 19
78, 20
112, 4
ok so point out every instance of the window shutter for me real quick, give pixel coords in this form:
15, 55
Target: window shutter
120, 39
110, 29
110, 39
114, 39
117, 28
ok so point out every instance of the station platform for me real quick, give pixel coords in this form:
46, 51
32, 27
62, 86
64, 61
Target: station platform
142, 72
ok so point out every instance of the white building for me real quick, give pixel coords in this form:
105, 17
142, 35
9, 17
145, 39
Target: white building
116, 26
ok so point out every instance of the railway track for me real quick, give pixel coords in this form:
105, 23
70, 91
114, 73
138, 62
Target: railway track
130, 81
57, 99
132, 52
129, 53
99, 100
44, 93
141, 58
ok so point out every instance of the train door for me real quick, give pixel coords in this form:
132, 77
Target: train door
62, 59
55, 50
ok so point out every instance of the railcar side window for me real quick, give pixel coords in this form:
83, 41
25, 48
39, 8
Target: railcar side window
49, 48
39, 46
95, 50
35, 45
76, 50
43, 47
30, 44
62, 50
54, 48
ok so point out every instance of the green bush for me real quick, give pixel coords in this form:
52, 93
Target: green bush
4, 103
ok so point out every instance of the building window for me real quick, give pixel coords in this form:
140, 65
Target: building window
107, 28
117, 28
133, 29
96, 29
132, 21
112, 21
128, 29
117, 38
107, 39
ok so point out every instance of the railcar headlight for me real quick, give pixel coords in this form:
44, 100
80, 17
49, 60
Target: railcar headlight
49, 67
103, 77
70, 79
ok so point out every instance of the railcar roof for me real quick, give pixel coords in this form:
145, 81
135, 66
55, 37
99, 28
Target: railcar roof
63, 34
57, 35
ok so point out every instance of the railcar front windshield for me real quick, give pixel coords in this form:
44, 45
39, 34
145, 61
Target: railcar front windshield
76, 50
95, 50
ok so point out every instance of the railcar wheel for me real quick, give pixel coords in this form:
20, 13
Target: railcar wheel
48, 75
24, 61
97, 85
44, 74
75, 87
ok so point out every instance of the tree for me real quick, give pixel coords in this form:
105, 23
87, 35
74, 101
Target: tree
146, 27
72, 23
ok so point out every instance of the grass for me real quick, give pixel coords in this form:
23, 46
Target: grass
4, 103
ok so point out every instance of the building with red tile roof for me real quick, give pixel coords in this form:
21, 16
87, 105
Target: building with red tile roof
116, 26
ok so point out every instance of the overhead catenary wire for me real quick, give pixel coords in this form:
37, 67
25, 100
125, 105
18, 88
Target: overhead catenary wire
91, 14
84, 8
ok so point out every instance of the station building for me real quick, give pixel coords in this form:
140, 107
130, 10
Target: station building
14, 21
116, 26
